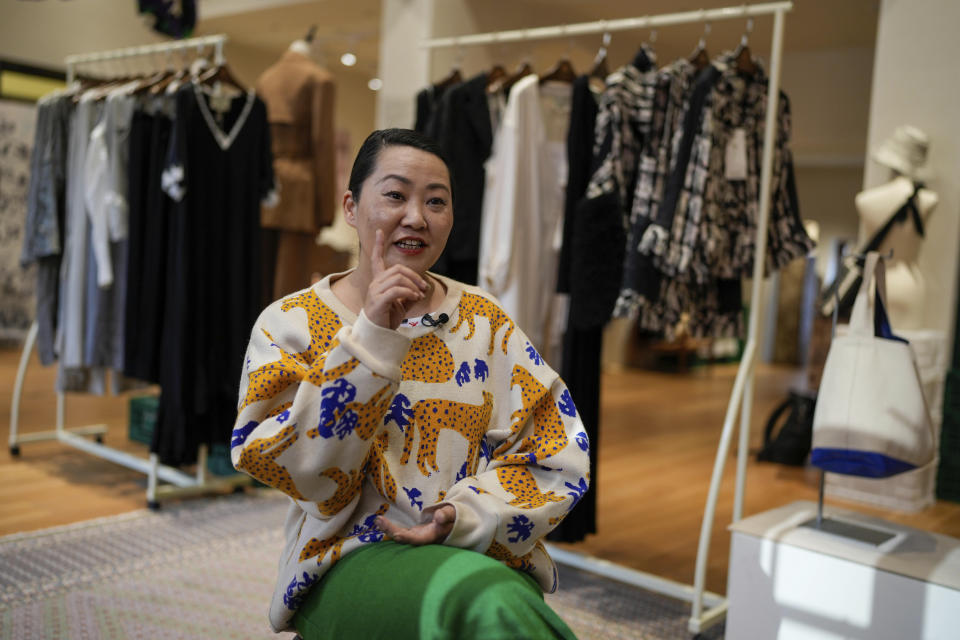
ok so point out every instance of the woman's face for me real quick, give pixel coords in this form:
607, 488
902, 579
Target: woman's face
407, 196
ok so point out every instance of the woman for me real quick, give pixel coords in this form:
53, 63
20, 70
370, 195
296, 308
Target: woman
412, 424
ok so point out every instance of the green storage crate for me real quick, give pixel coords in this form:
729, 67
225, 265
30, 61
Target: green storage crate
218, 460
143, 418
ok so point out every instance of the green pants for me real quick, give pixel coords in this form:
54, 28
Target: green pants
392, 590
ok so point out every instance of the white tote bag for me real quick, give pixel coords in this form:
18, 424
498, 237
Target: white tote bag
871, 417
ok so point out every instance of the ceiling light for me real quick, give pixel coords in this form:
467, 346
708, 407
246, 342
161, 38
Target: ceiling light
375, 84
348, 59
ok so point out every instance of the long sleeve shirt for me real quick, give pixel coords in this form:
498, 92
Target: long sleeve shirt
352, 421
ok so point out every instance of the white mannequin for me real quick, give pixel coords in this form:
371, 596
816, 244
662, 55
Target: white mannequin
906, 288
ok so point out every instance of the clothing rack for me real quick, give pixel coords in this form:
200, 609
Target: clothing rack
741, 396
179, 484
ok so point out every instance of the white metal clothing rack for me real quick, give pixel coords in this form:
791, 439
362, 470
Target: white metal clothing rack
742, 395
179, 484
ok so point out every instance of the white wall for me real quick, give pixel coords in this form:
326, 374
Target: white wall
916, 81
829, 94
44, 33
404, 66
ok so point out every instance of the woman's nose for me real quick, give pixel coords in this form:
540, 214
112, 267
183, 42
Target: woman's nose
414, 216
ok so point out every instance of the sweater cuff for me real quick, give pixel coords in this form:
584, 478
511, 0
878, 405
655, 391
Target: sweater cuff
469, 529
380, 349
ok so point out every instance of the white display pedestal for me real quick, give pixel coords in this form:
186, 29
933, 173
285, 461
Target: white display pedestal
791, 582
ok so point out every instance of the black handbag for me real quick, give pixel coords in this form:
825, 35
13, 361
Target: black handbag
791, 443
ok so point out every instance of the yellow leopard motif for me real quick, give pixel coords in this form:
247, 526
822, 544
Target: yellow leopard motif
472, 305
430, 416
348, 487
428, 360
259, 459
377, 469
518, 480
322, 322
500, 552
267, 381
549, 436
318, 548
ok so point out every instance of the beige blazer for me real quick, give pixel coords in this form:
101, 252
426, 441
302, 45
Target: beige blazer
299, 96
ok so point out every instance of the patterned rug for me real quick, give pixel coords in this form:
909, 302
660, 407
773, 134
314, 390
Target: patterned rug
204, 568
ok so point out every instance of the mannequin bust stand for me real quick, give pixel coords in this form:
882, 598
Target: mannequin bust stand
906, 288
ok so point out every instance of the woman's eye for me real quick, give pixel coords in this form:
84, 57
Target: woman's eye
394, 195
437, 202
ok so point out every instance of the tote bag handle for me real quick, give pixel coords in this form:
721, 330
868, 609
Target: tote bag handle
864, 309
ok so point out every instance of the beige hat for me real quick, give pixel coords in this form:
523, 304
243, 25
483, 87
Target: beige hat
905, 151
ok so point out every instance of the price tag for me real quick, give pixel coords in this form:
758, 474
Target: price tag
735, 159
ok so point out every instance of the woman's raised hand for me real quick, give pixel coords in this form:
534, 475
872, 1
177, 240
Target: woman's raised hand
392, 289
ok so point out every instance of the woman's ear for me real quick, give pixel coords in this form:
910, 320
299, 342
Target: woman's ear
350, 209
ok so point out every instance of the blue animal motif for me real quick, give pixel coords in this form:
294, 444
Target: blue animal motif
583, 441
485, 450
283, 417
400, 412
462, 473
576, 491
296, 590
566, 404
533, 461
413, 494
240, 434
346, 424
367, 532
480, 370
334, 398
532, 353
521, 526
463, 374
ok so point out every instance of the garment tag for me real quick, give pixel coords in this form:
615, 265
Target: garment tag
735, 161
220, 102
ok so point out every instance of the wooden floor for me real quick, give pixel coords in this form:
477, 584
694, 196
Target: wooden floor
657, 448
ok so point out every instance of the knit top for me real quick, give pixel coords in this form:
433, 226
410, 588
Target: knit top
353, 420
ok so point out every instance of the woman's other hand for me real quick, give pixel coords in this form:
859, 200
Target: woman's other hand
434, 531
391, 290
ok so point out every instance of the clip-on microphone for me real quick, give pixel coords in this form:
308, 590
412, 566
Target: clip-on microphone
428, 320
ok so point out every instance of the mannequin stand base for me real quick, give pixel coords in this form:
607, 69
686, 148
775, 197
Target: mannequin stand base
859, 532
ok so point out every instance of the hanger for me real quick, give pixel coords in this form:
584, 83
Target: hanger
175, 76
221, 73
148, 81
699, 58
495, 74
599, 69
563, 70
452, 78
524, 69
743, 59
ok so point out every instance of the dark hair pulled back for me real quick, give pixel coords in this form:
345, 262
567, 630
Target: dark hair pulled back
366, 160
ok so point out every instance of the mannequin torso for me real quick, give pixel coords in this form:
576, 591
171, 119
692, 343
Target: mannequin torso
905, 284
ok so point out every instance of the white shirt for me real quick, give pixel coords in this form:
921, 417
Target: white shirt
523, 200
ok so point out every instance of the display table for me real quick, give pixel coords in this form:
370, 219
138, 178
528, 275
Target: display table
790, 581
